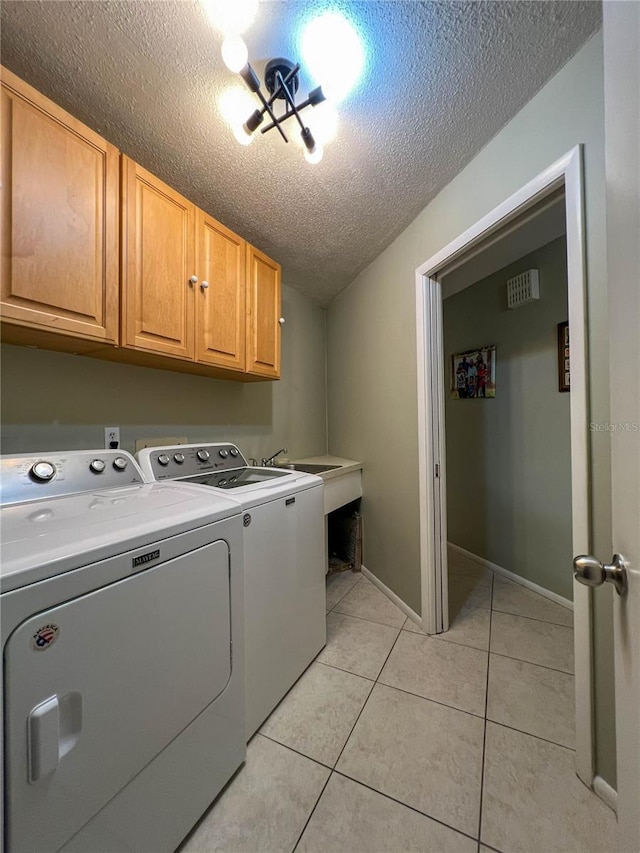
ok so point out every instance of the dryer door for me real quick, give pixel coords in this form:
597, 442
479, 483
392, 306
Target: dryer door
96, 687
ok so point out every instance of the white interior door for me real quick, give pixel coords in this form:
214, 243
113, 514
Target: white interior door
621, 22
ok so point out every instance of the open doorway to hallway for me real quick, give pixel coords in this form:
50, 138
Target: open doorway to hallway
562, 178
507, 416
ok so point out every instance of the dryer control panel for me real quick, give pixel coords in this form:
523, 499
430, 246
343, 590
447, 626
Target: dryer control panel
29, 476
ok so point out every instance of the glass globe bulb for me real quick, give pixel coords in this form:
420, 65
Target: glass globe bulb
242, 136
231, 17
323, 39
314, 156
234, 53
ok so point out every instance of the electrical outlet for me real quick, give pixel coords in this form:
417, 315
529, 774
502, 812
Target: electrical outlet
111, 437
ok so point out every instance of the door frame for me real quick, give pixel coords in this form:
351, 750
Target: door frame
566, 172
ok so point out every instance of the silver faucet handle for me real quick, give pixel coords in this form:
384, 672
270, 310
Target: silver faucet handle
270, 460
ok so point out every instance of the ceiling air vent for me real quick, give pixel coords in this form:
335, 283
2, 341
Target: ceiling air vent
523, 288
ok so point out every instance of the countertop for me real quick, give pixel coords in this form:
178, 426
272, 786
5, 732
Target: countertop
346, 465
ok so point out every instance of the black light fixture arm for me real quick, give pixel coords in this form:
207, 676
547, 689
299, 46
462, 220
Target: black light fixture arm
292, 104
253, 83
281, 86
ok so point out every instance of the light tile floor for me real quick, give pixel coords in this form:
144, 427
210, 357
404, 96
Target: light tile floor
395, 741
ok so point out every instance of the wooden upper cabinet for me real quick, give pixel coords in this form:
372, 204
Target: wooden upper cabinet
59, 219
158, 261
263, 315
220, 295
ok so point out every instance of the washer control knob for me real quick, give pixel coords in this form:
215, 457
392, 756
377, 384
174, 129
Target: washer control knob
163, 459
203, 455
120, 463
43, 471
222, 482
97, 466
223, 453
233, 451
179, 458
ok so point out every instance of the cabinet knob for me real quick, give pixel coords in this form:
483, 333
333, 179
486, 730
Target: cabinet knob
281, 321
204, 285
193, 279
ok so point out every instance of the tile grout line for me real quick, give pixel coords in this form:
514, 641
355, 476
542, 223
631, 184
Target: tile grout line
533, 663
364, 704
441, 637
372, 621
486, 706
528, 734
437, 702
531, 618
315, 806
428, 699
296, 751
355, 723
347, 671
331, 609
406, 805
362, 579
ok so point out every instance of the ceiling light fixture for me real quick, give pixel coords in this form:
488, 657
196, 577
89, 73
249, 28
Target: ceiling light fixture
281, 79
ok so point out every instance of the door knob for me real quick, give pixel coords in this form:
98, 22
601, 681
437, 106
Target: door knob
592, 572
193, 279
204, 285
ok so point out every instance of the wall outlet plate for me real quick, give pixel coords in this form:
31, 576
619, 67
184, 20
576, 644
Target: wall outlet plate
111, 437
162, 441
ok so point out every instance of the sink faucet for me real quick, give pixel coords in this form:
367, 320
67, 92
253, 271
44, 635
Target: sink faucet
270, 460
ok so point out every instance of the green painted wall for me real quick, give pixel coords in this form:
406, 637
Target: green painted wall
55, 401
371, 342
508, 458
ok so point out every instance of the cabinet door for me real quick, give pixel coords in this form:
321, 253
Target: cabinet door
59, 219
158, 248
220, 297
263, 315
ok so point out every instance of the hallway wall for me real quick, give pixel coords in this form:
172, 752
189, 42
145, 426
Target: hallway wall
371, 328
508, 458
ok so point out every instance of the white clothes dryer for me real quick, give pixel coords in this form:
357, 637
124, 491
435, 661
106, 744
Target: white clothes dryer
122, 645
284, 561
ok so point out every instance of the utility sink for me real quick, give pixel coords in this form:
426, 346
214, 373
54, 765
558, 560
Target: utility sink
309, 468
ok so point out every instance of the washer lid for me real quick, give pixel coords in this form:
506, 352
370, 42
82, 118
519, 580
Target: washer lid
48, 537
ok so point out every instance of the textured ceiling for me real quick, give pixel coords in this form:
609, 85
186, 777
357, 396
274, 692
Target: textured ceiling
441, 79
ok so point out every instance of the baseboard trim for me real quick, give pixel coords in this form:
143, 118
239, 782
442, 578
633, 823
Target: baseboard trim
392, 596
607, 794
546, 593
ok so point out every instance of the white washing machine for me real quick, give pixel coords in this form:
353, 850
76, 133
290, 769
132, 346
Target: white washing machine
122, 637
284, 561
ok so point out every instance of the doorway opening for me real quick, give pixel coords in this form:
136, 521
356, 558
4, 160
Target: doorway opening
558, 189
508, 444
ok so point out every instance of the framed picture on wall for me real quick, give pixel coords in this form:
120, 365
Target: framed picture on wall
564, 369
473, 374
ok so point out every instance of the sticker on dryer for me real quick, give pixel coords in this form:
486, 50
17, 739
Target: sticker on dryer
45, 637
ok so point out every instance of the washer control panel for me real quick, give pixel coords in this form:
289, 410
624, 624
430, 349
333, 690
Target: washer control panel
185, 460
27, 476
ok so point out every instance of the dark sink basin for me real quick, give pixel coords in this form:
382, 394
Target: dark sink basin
310, 468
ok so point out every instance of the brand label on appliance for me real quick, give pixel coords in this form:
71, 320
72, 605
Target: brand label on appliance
289, 501
45, 637
145, 558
